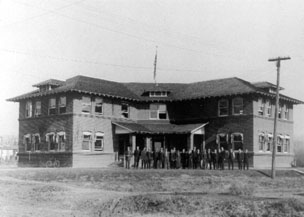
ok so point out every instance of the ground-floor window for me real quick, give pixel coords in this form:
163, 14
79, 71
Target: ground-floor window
61, 141
86, 140
261, 142
269, 142
280, 143
36, 140
27, 142
50, 139
222, 140
237, 141
286, 147
98, 145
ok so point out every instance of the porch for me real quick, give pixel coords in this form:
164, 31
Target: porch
154, 136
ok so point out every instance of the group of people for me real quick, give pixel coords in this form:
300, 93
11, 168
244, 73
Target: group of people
192, 159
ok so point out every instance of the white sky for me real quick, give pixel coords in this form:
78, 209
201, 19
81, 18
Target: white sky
116, 40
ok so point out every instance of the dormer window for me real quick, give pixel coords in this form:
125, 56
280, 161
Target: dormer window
158, 93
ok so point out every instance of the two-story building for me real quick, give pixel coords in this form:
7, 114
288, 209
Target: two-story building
87, 122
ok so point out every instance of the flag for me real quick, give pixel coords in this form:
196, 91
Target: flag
155, 62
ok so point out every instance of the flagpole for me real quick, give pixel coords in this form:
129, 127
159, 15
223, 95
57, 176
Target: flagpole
155, 63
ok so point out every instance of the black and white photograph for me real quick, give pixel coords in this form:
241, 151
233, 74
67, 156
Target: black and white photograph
155, 108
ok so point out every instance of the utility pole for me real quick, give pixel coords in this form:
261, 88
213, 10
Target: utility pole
274, 140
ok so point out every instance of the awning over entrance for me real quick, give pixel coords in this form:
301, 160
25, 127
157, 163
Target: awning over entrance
158, 128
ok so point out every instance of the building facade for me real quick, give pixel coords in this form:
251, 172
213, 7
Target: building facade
89, 122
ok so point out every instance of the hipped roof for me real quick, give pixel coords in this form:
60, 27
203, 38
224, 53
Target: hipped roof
134, 91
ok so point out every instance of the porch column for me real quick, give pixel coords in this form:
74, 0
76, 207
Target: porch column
190, 141
133, 142
148, 143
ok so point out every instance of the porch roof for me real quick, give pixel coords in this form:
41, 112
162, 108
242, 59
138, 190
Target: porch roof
160, 128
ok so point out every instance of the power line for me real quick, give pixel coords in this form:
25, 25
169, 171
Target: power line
127, 34
86, 61
40, 15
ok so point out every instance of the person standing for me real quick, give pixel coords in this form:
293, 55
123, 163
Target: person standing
223, 156
162, 158
183, 158
149, 158
246, 160
190, 159
231, 157
128, 157
174, 158
199, 159
204, 159
194, 158
167, 159
136, 157
239, 158
143, 156
209, 159
178, 159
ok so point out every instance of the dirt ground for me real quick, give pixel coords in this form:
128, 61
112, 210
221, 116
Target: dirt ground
119, 192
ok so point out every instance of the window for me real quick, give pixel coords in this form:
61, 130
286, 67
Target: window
237, 141
261, 108
280, 112
222, 140
280, 143
38, 109
86, 140
98, 145
158, 94
50, 139
269, 109
98, 105
125, 110
237, 106
261, 141
61, 140
286, 144
62, 105
223, 107
52, 106
28, 109
86, 104
27, 142
269, 142
158, 111
36, 139
286, 113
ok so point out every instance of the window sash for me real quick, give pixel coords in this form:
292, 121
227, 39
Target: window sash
62, 101
98, 146
86, 104
98, 105
238, 106
28, 109
38, 108
223, 107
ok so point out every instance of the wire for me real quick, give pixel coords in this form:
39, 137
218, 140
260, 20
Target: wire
127, 34
40, 15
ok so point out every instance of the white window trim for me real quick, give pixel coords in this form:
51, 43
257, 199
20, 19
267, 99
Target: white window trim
51, 107
100, 134
39, 141
158, 112
219, 110
125, 112
99, 113
27, 136
86, 104
48, 141
87, 133
263, 146
28, 114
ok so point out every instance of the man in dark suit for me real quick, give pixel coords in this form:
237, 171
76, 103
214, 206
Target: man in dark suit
231, 157
240, 157
128, 157
245, 161
136, 157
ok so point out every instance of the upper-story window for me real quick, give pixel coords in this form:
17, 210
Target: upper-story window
286, 113
62, 105
86, 104
28, 109
158, 94
261, 108
237, 106
125, 110
38, 108
98, 105
223, 106
52, 106
158, 111
280, 112
268, 108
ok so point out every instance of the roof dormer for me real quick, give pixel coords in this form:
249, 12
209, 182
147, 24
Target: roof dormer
49, 85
